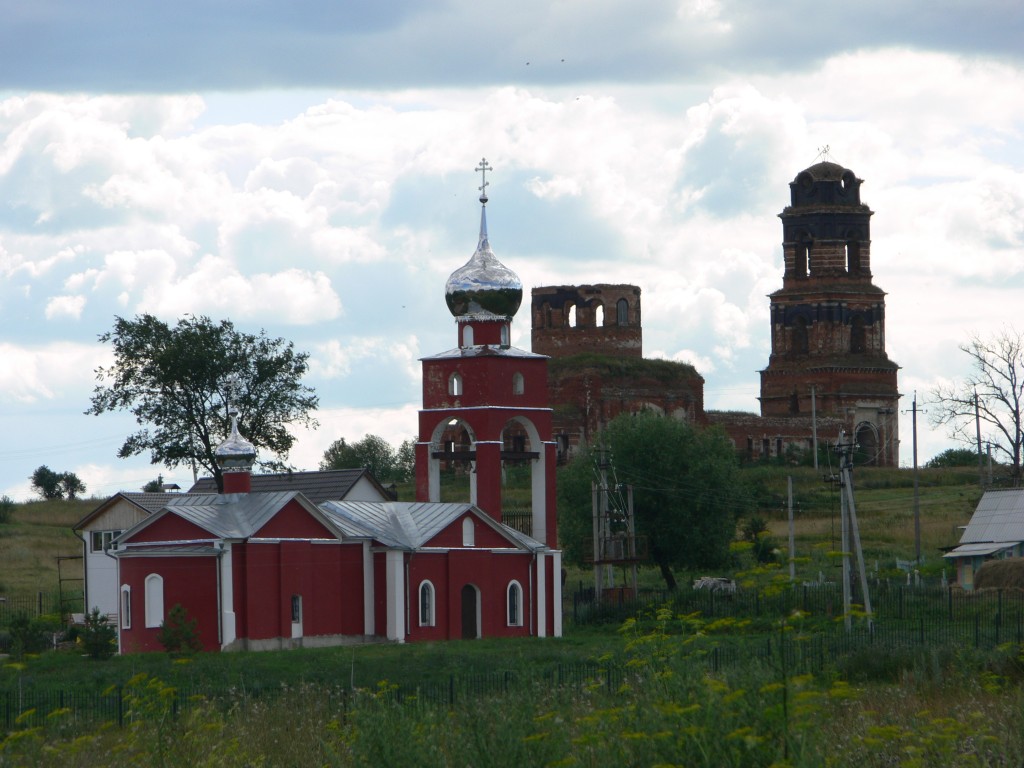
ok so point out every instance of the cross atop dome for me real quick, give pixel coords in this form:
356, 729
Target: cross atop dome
483, 288
483, 168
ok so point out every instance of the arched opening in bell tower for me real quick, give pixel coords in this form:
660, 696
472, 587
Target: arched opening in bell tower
622, 312
451, 462
523, 477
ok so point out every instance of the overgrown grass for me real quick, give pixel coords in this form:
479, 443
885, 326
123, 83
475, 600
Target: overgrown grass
37, 533
665, 708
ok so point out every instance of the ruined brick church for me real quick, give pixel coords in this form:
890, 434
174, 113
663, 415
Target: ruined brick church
828, 370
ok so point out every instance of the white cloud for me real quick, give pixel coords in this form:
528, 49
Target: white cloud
65, 306
33, 374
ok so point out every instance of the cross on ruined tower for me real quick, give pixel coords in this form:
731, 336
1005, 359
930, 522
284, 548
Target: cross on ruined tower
823, 153
483, 168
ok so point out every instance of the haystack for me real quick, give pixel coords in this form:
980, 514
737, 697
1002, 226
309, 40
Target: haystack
1001, 574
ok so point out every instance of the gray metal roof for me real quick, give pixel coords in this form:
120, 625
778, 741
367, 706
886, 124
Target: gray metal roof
317, 486
979, 550
411, 524
231, 515
998, 518
484, 350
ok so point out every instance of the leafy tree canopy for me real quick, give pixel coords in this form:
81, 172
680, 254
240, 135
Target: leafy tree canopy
687, 493
375, 454
177, 382
56, 485
953, 457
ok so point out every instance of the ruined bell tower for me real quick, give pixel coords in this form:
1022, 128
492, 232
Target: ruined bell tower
828, 319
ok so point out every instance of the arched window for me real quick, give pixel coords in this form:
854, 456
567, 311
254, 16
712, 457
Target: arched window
426, 604
467, 335
455, 385
468, 533
515, 604
599, 315
517, 383
154, 600
622, 312
572, 315
126, 607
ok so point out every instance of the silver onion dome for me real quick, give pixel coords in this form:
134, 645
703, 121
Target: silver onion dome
483, 286
235, 454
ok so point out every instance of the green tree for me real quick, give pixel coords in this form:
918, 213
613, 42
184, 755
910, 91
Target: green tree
71, 486
993, 394
372, 452
154, 486
953, 457
405, 461
46, 483
687, 493
178, 634
98, 637
178, 381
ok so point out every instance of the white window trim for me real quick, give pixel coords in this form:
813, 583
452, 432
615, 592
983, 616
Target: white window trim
154, 606
126, 607
518, 588
427, 586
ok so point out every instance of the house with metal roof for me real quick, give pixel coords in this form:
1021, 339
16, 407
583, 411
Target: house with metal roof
996, 531
125, 509
273, 570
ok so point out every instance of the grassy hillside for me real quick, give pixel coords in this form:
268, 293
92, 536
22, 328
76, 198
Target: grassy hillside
40, 531
885, 509
30, 542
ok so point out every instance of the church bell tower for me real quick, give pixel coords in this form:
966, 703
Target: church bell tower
828, 319
485, 402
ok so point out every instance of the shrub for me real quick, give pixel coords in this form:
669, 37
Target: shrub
97, 637
27, 635
6, 509
178, 634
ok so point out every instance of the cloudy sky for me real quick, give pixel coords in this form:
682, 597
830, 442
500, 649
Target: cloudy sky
307, 168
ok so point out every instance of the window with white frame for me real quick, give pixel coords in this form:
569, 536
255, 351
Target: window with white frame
426, 604
126, 607
101, 540
517, 383
154, 600
468, 533
515, 604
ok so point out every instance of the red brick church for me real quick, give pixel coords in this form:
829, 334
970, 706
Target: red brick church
261, 570
828, 370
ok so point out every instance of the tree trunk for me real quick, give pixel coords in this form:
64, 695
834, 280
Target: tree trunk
670, 579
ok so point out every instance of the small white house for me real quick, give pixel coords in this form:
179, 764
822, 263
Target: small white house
996, 531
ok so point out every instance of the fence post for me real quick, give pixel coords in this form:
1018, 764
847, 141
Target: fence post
39, 603
977, 631
949, 599
451, 690
120, 707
